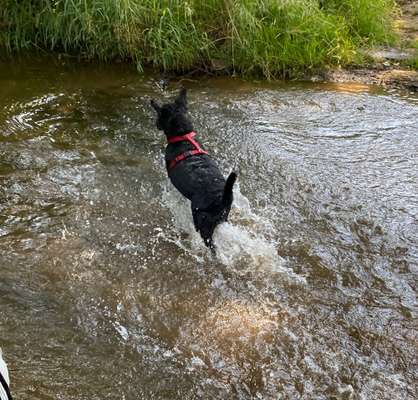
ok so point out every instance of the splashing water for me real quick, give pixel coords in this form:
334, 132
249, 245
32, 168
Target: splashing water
243, 243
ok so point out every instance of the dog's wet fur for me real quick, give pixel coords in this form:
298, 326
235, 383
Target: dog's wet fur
197, 177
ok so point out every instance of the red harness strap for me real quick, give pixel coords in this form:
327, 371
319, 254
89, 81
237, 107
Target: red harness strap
185, 138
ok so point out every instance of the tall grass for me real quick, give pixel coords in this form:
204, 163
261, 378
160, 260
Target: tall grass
367, 20
271, 38
283, 37
413, 61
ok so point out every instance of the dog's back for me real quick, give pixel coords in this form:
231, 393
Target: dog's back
198, 178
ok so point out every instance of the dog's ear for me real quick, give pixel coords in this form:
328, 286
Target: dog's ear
181, 100
155, 106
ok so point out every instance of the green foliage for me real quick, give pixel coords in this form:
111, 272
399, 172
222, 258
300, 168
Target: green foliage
271, 38
412, 61
368, 20
282, 38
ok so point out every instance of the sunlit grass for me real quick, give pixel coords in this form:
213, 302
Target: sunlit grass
369, 21
269, 38
413, 61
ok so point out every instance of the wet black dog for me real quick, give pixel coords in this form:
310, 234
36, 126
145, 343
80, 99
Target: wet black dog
192, 171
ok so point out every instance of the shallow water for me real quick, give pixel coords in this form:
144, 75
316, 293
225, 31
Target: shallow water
107, 293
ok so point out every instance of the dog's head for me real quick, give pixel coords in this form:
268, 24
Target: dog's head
172, 117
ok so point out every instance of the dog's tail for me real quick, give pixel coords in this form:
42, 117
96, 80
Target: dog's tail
227, 196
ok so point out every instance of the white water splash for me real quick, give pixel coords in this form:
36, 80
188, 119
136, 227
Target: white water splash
242, 244
241, 249
123, 331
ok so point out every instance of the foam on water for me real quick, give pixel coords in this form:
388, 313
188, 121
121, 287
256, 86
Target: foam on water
243, 244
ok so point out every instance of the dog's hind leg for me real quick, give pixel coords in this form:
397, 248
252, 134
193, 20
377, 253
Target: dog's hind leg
209, 243
204, 226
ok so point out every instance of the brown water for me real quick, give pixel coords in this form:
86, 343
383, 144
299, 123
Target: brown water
107, 293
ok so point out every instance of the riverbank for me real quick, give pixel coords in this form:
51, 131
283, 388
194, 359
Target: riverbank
341, 41
390, 66
257, 38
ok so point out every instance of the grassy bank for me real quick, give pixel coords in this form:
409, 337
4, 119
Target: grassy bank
271, 38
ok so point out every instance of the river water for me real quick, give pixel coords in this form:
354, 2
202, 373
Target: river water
107, 293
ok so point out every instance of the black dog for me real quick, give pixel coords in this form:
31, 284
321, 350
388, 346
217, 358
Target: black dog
192, 171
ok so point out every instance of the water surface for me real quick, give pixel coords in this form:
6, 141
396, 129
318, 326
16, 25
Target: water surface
107, 293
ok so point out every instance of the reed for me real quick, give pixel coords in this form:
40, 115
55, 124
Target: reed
368, 21
271, 38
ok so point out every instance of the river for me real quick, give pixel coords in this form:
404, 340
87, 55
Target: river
106, 292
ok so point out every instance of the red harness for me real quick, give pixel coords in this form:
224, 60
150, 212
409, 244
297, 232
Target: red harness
185, 138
